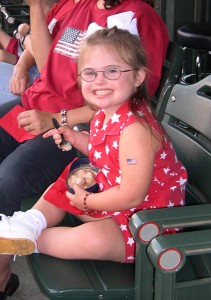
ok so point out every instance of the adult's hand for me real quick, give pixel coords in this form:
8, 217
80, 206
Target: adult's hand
19, 81
34, 121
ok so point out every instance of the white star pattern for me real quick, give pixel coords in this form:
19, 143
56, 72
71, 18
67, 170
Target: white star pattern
163, 155
97, 122
123, 227
105, 172
130, 241
182, 203
146, 199
118, 179
132, 209
182, 181
116, 213
166, 170
115, 144
171, 204
131, 257
101, 186
115, 118
97, 154
107, 149
167, 175
104, 212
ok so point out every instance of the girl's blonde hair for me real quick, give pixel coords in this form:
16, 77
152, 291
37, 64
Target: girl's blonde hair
128, 47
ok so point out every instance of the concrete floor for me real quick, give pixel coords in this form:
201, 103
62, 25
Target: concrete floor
28, 289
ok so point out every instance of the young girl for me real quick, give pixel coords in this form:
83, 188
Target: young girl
138, 168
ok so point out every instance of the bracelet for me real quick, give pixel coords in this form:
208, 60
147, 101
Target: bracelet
63, 113
24, 37
86, 211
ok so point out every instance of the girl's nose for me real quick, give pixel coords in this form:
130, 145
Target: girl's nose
100, 78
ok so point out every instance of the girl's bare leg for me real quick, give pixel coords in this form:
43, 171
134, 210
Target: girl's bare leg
100, 239
53, 214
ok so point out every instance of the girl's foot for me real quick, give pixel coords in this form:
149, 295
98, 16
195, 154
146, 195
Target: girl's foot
17, 236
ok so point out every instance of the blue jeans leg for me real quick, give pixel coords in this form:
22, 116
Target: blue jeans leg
6, 71
27, 169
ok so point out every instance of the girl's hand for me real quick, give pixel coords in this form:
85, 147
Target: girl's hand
67, 133
34, 121
23, 29
77, 198
55, 134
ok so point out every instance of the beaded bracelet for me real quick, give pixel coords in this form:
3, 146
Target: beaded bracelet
63, 113
86, 211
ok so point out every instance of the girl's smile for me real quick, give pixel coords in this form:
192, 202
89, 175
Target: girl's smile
107, 82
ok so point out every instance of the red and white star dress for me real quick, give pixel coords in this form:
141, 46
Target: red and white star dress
167, 187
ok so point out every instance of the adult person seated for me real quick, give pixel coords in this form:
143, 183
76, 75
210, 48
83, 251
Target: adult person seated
11, 49
29, 163
16, 79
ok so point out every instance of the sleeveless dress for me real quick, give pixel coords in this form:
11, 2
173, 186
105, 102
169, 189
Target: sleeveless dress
167, 188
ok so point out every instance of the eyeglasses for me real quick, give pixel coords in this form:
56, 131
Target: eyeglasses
110, 73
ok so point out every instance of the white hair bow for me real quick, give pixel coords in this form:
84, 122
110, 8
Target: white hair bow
123, 21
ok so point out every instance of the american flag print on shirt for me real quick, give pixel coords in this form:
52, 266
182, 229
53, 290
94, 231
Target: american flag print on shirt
70, 42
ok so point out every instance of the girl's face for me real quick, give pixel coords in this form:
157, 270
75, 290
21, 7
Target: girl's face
105, 93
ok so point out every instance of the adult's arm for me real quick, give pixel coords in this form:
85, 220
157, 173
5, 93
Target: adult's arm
41, 39
41, 121
20, 79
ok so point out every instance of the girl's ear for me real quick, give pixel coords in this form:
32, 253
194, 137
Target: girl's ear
140, 76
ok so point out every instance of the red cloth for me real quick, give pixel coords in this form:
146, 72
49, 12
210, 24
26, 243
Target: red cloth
56, 193
10, 124
12, 47
59, 9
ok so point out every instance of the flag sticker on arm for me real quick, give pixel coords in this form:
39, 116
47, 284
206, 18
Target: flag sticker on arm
131, 161
69, 42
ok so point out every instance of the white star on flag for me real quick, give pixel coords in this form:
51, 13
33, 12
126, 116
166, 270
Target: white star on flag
69, 43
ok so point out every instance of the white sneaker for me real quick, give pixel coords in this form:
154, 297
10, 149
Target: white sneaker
17, 236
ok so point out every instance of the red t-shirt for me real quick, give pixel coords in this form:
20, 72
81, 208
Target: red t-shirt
56, 88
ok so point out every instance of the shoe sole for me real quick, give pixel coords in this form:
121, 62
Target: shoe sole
16, 246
